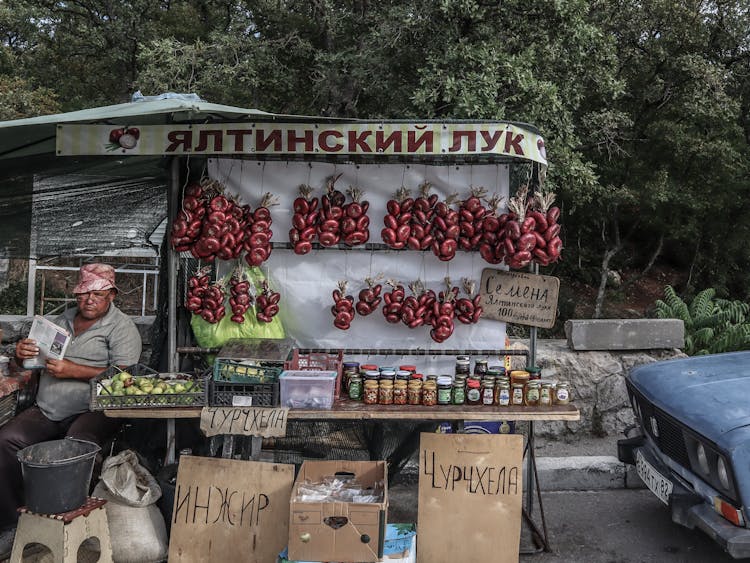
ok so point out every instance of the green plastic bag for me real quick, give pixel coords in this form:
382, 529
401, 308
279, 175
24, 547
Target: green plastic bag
215, 335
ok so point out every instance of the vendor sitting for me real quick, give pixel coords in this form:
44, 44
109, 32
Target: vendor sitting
101, 335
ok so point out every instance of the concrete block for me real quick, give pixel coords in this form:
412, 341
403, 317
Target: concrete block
579, 473
624, 334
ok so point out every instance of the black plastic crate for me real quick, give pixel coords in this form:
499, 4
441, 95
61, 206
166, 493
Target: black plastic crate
104, 394
232, 394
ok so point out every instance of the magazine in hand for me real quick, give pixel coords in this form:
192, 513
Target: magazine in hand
51, 339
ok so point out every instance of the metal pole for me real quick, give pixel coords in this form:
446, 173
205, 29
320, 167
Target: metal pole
31, 288
172, 266
530, 467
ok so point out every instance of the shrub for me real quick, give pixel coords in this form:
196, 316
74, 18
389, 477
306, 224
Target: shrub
712, 325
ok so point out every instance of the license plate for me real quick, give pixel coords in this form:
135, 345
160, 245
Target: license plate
655, 481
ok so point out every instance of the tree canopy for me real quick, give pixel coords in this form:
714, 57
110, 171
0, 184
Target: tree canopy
644, 106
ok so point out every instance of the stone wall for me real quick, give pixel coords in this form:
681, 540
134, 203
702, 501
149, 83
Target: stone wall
597, 378
597, 381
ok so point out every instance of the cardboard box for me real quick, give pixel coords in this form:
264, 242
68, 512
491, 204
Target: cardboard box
400, 545
339, 531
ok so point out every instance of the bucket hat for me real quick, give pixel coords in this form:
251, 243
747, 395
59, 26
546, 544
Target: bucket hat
95, 277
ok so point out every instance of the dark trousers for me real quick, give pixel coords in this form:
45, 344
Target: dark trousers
31, 427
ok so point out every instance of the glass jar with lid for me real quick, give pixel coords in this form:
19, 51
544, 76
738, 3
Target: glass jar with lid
385, 392
399, 392
502, 393
562, 393
403, 374
488, 392
519, 376
429, 393
458, 392
480, 367
414, 392
535, 372
444, 386
408, 367
355, 388
463, 365
517, 394
531, 398
545, 394
370, 392
473, 392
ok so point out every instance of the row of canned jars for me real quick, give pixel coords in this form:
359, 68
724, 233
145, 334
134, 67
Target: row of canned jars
517, 389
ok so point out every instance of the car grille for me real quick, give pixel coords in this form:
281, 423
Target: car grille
670, 440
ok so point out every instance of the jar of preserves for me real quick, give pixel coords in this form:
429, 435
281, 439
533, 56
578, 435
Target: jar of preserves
535, 372
519, 376
364, 368
370, 392
414, 392
399, 393
480, 367
403, 375
545, 394
355, 388
429, 393
497, 369
463, 366
473, 392
372, 375
444, 386
417, 376
388, 373
408, 367
531, 398
431, 377
562, 393
488, 392
517, 394
502, 393
349, 370
385, 390
458, 392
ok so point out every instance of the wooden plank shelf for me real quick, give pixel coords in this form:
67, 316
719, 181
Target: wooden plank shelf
344, 409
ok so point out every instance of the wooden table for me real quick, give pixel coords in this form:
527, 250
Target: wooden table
344, 409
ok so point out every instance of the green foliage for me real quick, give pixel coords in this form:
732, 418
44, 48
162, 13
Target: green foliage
712, 325
645, 107
13, 299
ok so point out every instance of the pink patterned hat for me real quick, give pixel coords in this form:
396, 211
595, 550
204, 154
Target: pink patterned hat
95, 277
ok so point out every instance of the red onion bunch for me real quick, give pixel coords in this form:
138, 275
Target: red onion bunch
304, 221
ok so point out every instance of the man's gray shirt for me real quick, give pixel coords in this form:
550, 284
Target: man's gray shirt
111, 340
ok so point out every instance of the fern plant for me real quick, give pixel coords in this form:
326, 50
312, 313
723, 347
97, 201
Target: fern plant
712, 325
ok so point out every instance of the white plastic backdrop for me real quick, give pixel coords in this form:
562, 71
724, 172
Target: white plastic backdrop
306, 282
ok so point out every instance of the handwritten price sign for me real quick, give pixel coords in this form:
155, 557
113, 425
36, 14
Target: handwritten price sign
520, 298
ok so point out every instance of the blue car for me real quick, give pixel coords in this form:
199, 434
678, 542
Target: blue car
692, 444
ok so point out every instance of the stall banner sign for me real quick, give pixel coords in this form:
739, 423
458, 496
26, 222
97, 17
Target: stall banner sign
519, 297
230, 510
283, 139
470, 493
267, 422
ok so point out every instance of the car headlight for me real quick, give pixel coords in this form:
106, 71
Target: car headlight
721, 469
700, 452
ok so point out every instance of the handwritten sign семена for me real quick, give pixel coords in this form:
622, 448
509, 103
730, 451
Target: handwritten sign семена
520, 298
244, 421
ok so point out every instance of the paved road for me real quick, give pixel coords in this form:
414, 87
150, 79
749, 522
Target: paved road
611, 526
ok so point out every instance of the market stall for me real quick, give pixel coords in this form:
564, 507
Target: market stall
363, 240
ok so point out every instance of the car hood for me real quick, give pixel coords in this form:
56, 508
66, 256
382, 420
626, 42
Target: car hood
710, 394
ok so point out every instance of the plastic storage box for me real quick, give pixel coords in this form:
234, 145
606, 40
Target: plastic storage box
307, 389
